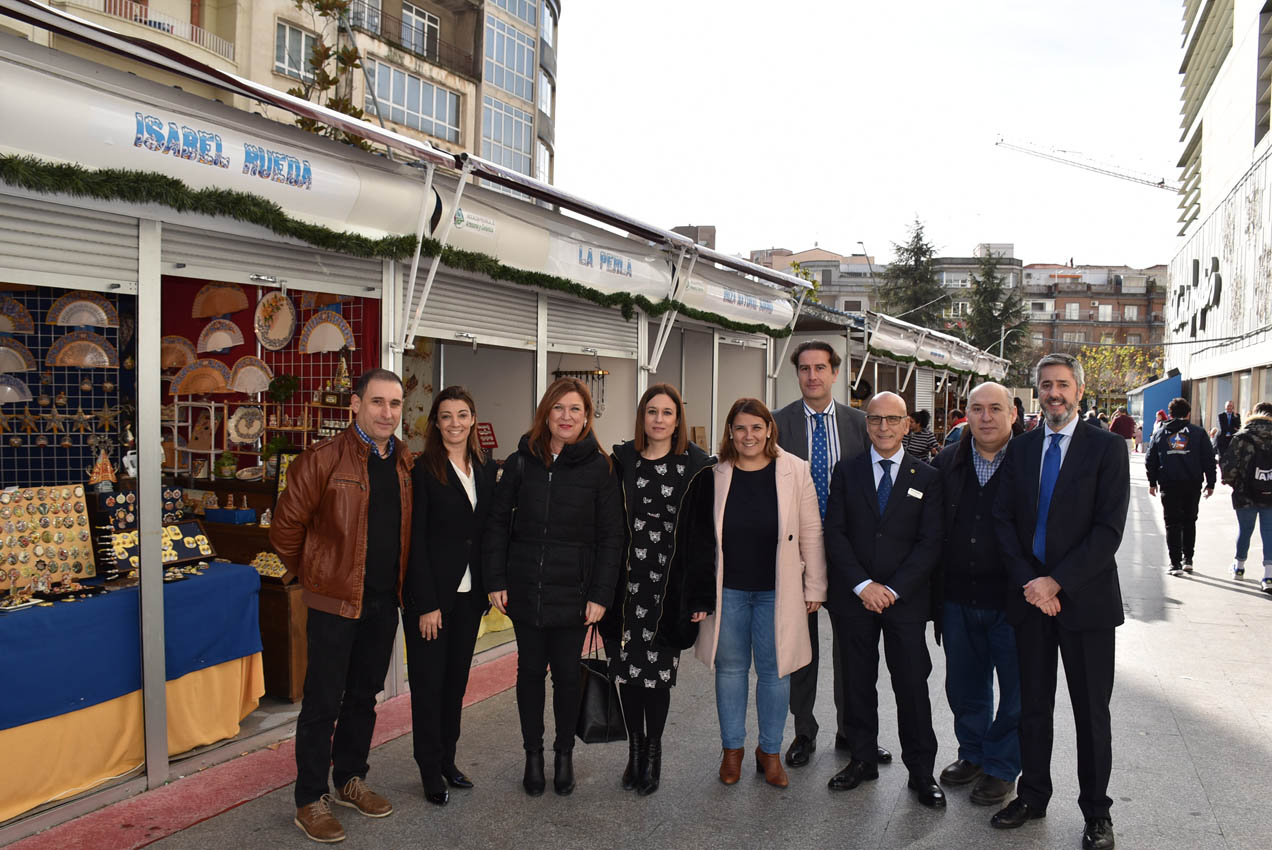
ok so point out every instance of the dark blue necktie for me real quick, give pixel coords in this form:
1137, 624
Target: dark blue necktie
1046, 484
885, 485
821, 460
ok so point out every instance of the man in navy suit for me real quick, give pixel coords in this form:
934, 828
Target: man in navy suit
821, 431
1059, 515
883, 538
1229, 425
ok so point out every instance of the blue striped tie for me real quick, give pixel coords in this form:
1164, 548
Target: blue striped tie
1047, 484
821, 460
885, 484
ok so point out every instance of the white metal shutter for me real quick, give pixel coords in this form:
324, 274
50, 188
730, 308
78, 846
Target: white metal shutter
575, 325
924, 397
48, 244
473, 310
190, 252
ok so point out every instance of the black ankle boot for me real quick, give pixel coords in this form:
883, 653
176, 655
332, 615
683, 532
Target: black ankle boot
651, 770
562, 772
533, 780
635, 749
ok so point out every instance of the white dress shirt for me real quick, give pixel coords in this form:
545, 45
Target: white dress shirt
877, 469
470, 487
832, 435
1065, 439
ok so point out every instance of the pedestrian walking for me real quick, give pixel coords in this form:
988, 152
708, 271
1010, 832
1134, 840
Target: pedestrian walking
770, 575
553, 544
1123, 425
444, 597
1247, 469
666, 585
1229, 424
979, 642
1178, 459
920, 442
883, 539
1060, 515
342, 528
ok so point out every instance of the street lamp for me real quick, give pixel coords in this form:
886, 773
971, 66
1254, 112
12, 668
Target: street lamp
1002, 338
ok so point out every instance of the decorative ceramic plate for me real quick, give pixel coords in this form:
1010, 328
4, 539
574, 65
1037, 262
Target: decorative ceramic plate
15, 357
83, 308
218, 299
275, 321
251, 375
85, 349
201, 376
250, 473
314, 300
13, 389
14, 318
176, 351
326, 331
220, 335
247, 424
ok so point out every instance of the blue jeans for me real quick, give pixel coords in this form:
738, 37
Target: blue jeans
746, 630
978, 642
1245, 530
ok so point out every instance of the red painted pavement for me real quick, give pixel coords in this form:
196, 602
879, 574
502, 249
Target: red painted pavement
182, 803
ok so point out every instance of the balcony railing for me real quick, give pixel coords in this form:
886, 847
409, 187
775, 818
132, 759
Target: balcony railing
140, 14
418, 41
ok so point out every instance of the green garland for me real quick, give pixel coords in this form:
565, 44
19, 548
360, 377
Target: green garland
903, 358
145, 187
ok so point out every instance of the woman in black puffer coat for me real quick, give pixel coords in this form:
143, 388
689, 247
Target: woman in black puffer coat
550, 560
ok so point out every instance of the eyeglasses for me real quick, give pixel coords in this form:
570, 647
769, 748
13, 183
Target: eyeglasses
876, 421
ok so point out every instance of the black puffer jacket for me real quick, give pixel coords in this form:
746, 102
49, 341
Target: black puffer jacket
566, 524
1180, 453
690, 582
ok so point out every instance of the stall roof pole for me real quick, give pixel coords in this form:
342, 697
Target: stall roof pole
908, 372
866, 359
425, 210
669, 318
447, 224
777, 364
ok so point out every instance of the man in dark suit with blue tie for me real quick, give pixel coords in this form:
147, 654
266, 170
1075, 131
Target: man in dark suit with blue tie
1059, 515
821, 431
883, 538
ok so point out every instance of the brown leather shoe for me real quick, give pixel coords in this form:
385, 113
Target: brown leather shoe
731, 765
318, 823
356, 795
770, 764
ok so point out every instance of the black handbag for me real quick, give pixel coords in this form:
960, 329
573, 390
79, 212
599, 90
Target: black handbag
600, 711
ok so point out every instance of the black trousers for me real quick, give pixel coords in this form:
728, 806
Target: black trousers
438, 672
537, 650
804, 685
348, 660
1179, 506
905, 649
1088, 668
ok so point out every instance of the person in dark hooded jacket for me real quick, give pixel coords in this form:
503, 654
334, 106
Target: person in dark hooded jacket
1179, 456
1246, 468
667, 583
550, 559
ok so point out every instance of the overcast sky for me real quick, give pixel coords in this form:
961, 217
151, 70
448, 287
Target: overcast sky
832, 121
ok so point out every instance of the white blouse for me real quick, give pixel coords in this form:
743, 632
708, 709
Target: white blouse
470, 487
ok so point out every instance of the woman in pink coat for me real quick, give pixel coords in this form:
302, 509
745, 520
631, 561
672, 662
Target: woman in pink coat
770, 575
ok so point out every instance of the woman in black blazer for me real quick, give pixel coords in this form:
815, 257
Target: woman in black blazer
443, 598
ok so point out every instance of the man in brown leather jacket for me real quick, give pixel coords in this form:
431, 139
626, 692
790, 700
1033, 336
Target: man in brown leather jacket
342, 529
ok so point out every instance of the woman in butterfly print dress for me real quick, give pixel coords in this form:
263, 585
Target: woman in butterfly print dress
666, 586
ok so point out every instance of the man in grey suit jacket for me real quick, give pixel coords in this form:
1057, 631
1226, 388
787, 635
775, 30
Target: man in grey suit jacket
817, 425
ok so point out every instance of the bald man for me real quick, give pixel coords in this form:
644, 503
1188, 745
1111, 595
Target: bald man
971, 610
883, 539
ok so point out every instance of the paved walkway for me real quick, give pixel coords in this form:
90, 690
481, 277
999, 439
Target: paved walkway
1192, 716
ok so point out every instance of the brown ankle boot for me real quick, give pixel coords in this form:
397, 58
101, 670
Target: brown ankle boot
731, 766
770, 764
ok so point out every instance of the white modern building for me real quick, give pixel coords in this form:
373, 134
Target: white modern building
1219, 299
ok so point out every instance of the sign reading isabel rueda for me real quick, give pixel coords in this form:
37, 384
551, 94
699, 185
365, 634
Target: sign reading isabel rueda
486, 436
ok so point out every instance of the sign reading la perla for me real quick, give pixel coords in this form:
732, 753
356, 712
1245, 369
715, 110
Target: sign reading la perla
58, 119
608, 269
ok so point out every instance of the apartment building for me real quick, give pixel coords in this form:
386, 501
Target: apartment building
1094, 304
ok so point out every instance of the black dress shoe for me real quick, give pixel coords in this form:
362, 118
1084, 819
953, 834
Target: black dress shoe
927, 791
563, 772
455, 777
1098, 834
437, 798
990, 790
885, 757
1015, 814
801, 749
533, 780
853, 775
960, 772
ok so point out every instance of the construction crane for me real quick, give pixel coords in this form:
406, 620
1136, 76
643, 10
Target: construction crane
1074, 158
